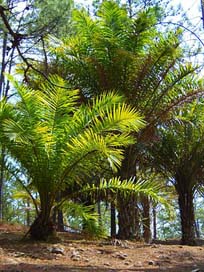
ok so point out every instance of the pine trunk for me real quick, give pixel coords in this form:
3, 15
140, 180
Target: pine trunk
3, 66
2, 166
154, 212
146, 220
113, 221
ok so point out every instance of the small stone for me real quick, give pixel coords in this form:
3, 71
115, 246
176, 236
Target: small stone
121, 257
81, 249
76, 258
75, 252
154, 246
57, 250
107, 264
19, 254
139, 264
127, 263
151, 263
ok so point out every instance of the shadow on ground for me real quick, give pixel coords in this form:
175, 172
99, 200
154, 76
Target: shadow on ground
23, 267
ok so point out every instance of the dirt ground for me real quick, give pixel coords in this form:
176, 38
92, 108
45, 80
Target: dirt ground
73, 253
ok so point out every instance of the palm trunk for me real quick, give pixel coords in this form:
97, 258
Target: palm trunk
127, 207
126, 218
43, 226
186, 207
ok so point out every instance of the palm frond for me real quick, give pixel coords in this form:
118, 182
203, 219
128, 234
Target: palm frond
116, 186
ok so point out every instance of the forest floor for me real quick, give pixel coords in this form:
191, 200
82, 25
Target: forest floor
75, 253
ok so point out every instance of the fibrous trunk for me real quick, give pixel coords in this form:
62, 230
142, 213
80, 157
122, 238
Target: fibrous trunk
127, 207
186, 207
126, 218
43, 227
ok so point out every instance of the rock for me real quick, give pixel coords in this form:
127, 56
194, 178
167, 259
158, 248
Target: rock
151, 263
154, 246
121, 256
81, 249
57, 250
105, 251
74, 253
107, 264
127, 263
76, 258
19, 254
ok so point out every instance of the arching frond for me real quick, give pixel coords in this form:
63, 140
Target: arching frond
53, 137
108, 189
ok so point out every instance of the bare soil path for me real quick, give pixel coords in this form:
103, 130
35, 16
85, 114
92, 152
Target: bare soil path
73, 253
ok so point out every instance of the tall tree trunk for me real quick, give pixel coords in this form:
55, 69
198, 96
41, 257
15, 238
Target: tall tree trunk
3, 66
2, 166
126, 217
137, 222
113, 221
2, 93
28, 213
127, 206
186, 207
197, 228
60, 220
146, 220
154, 212
99, 213
59, 213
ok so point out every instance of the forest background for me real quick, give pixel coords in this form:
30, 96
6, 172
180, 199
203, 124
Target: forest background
102, 119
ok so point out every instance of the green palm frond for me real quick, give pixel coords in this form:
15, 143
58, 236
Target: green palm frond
87, 218
53, 137
111, 188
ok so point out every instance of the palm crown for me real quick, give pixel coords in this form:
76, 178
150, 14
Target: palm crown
57, 141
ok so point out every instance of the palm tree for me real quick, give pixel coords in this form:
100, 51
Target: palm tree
179, 155
56, 141
132, 56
